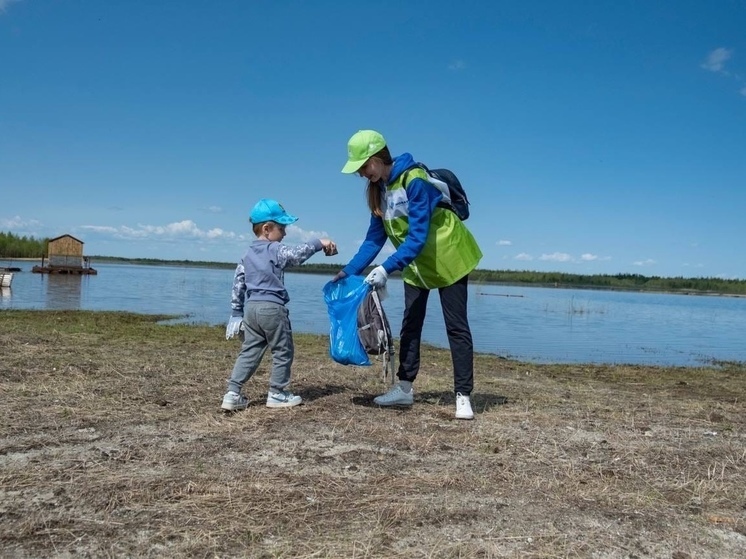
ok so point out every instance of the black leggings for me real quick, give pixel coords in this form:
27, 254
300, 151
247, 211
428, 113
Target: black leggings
453, 300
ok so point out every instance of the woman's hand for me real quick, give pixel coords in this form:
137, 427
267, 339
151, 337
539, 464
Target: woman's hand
339, 276
377, 278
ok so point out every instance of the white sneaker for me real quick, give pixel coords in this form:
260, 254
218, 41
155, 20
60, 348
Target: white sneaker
233, 401
282, 399
395, 397
463, 407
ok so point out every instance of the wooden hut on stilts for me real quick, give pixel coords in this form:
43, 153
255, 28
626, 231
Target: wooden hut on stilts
65, 256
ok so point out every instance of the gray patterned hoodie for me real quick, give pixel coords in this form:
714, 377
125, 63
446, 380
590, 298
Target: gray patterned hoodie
260, 275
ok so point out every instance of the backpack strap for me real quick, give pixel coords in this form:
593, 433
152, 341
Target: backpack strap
405, 177
405, 174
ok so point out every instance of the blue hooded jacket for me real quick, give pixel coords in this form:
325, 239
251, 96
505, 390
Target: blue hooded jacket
423, 198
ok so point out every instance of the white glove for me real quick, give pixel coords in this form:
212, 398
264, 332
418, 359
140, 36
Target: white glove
377, 278
234, 326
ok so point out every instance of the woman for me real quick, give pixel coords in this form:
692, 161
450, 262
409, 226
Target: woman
434, 250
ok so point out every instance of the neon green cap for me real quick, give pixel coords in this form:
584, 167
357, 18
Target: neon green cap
361, 146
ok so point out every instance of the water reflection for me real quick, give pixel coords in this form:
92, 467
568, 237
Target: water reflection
63, 291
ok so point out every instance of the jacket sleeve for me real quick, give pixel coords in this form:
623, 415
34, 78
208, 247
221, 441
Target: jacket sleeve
295, 255
422, 198
239, 290
375, 238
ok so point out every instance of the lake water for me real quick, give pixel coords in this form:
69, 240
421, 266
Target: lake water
533, 324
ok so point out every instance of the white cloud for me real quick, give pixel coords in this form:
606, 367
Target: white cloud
100, 229
457, 65
189, 230
524, 256
214, 209
17, 222
387, 249
5, 3
503, 243
186, 229
297, 235
588, 257
716, 60
218, 234
556, 257
648, 262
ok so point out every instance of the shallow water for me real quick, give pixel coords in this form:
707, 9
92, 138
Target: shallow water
527, 323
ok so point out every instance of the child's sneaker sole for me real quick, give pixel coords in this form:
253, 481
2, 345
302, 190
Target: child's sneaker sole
229, 407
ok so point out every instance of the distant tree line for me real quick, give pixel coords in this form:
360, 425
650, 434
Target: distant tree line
620, 282
13, 246
161, 262
627, 282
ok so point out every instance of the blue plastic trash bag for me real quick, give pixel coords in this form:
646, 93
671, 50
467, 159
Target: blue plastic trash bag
343, 298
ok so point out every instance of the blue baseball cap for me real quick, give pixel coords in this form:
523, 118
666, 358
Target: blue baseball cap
267, 209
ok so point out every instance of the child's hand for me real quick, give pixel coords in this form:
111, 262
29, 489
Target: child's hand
330, 247
233, 327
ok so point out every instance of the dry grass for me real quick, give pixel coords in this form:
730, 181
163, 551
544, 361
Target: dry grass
113, 445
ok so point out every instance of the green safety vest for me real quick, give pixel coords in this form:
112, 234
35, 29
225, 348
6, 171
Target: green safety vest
450, 251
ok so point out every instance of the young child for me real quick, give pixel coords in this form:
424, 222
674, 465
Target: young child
259, 302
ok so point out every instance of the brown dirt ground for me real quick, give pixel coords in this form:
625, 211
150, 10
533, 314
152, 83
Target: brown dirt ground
112, 445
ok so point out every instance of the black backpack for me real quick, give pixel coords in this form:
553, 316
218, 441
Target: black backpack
374, 331
454, 195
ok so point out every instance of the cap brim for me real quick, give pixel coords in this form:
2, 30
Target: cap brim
353, 166
287, 219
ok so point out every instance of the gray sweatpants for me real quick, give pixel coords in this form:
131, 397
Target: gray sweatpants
266, 325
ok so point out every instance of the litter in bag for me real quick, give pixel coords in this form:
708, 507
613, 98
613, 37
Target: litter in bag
343, 298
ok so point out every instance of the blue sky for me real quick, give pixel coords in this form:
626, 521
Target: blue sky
591, 136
